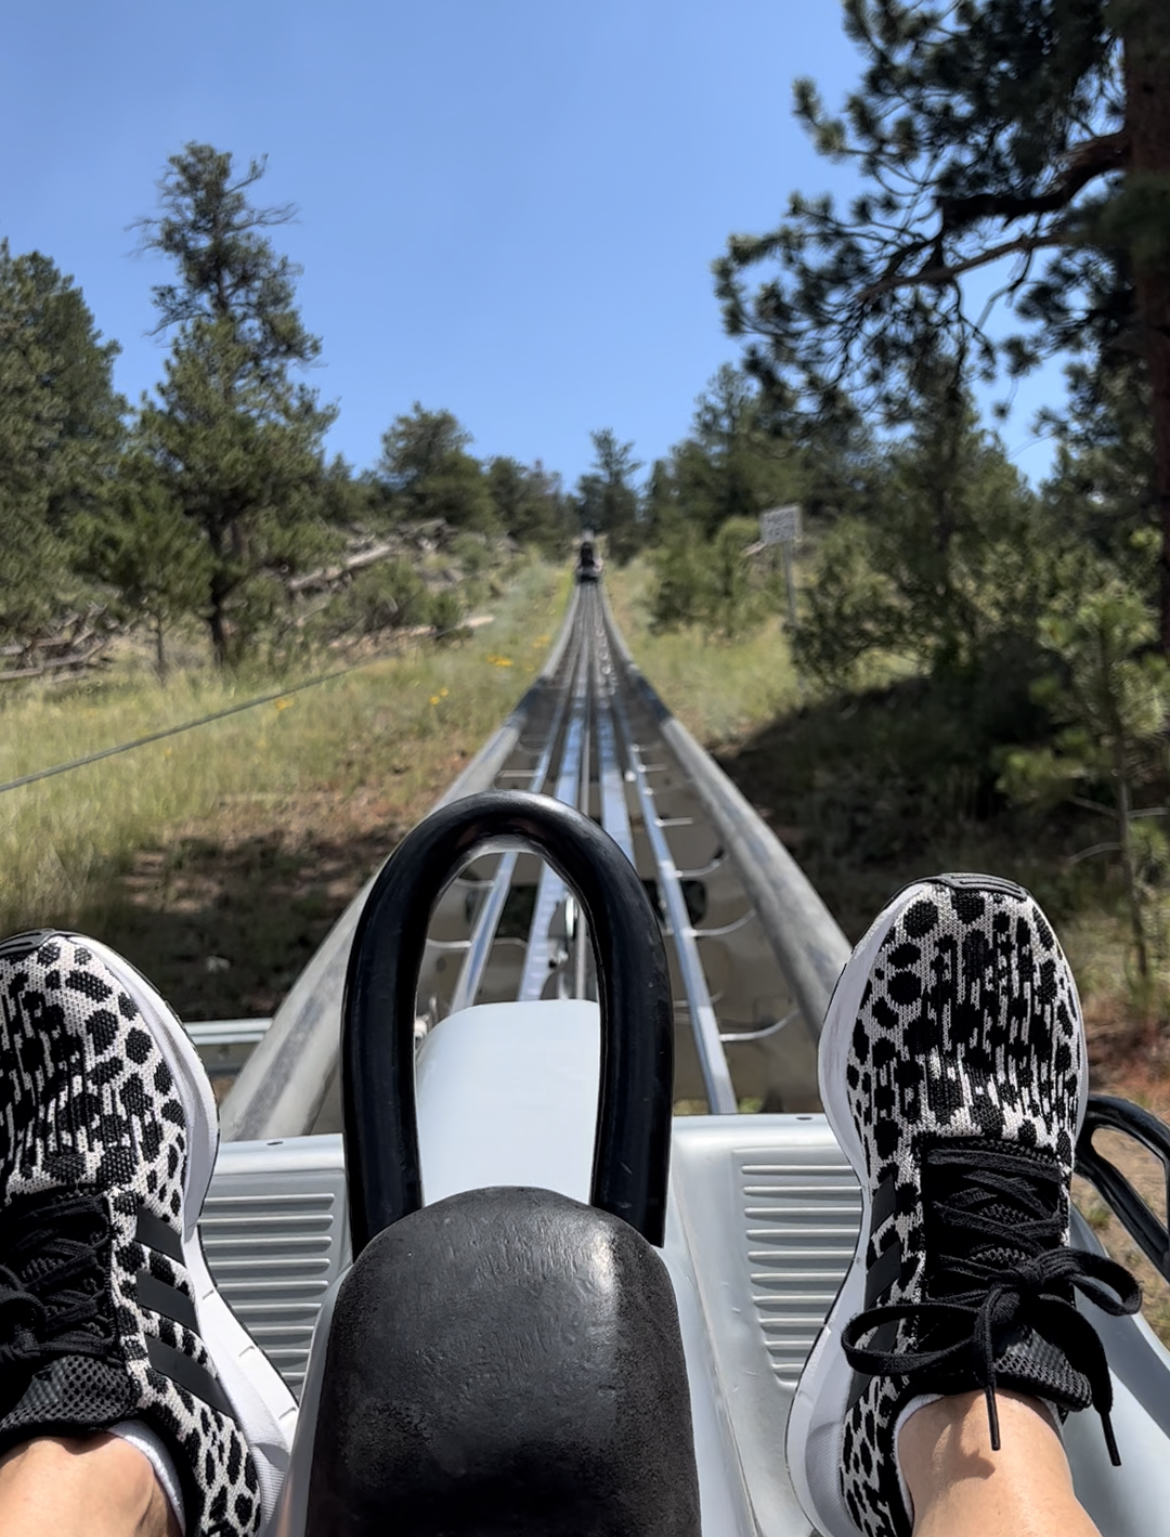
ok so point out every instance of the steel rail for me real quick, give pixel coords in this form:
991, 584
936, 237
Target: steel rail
551, 890
491, 910
576, 924
615, 812
805, 938
281, 1087
721, 1097
605, 742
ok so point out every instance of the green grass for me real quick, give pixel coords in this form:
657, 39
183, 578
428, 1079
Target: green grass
719, 690
880, 787
407, 722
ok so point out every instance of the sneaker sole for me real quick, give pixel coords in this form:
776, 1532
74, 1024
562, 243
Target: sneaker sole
265, 1409
813, 1442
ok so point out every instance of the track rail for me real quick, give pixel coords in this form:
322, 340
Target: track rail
754, 953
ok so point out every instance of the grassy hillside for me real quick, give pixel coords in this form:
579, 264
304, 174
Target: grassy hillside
217, 859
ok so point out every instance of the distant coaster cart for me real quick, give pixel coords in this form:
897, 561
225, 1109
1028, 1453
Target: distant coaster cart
588, 562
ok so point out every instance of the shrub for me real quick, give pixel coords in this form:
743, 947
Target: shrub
709, 582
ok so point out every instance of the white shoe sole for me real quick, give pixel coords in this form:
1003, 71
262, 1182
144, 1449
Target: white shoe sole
265, 1409
816, 1422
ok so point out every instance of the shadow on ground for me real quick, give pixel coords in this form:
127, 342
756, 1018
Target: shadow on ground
223, 929
878, 793
888, 786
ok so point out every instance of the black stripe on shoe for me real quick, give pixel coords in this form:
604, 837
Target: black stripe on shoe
881, 1275
186, 1373
157, 1234
885, 1202
884, 1271
884, 1337
160, 1297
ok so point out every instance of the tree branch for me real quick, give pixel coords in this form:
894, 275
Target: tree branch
944, 273
1097, 848
1088, 805
1086, 161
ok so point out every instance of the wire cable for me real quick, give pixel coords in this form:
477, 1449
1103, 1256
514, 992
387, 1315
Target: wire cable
190, 725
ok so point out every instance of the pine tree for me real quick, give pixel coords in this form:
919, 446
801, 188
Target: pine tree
948, 568
426, 472
728, 467
607, 501
142, 546
1110, 696
1099, 489
529, 503
237, 443
1027, 137
60, 433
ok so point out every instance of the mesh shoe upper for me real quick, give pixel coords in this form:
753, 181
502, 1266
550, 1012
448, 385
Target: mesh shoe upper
53, 1250
98, 1309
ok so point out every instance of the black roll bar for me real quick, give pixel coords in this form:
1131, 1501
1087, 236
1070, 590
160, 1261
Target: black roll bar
631, 1150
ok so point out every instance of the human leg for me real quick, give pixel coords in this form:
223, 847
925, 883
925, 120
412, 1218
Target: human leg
96, 1486
960, 1487
108, 1313
953, 1073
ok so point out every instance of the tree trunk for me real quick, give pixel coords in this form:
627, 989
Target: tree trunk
160, 649
1147, 90
219, 589
218, 628
1129, 872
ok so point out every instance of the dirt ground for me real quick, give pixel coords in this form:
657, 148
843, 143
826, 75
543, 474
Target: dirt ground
225, 917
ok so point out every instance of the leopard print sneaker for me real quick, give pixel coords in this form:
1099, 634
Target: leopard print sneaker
953, 1074
107, 1309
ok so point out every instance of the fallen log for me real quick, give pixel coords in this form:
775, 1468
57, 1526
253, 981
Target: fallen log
57, 664
328, 575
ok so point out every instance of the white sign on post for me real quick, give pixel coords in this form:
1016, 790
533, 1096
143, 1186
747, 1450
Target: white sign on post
781, 525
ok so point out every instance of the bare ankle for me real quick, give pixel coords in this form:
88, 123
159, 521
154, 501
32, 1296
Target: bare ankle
960, 1486
84, 1486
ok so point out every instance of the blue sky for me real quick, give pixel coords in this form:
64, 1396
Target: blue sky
508, 208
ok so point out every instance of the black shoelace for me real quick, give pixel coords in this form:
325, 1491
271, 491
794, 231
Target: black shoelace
996, 1266
52, 1279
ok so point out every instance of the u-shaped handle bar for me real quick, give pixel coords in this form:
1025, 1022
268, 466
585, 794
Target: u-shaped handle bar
631, 1151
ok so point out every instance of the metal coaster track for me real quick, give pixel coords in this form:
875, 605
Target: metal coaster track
754, 952
762, 1212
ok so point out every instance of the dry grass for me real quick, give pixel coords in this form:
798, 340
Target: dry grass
359, 756
719, 690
